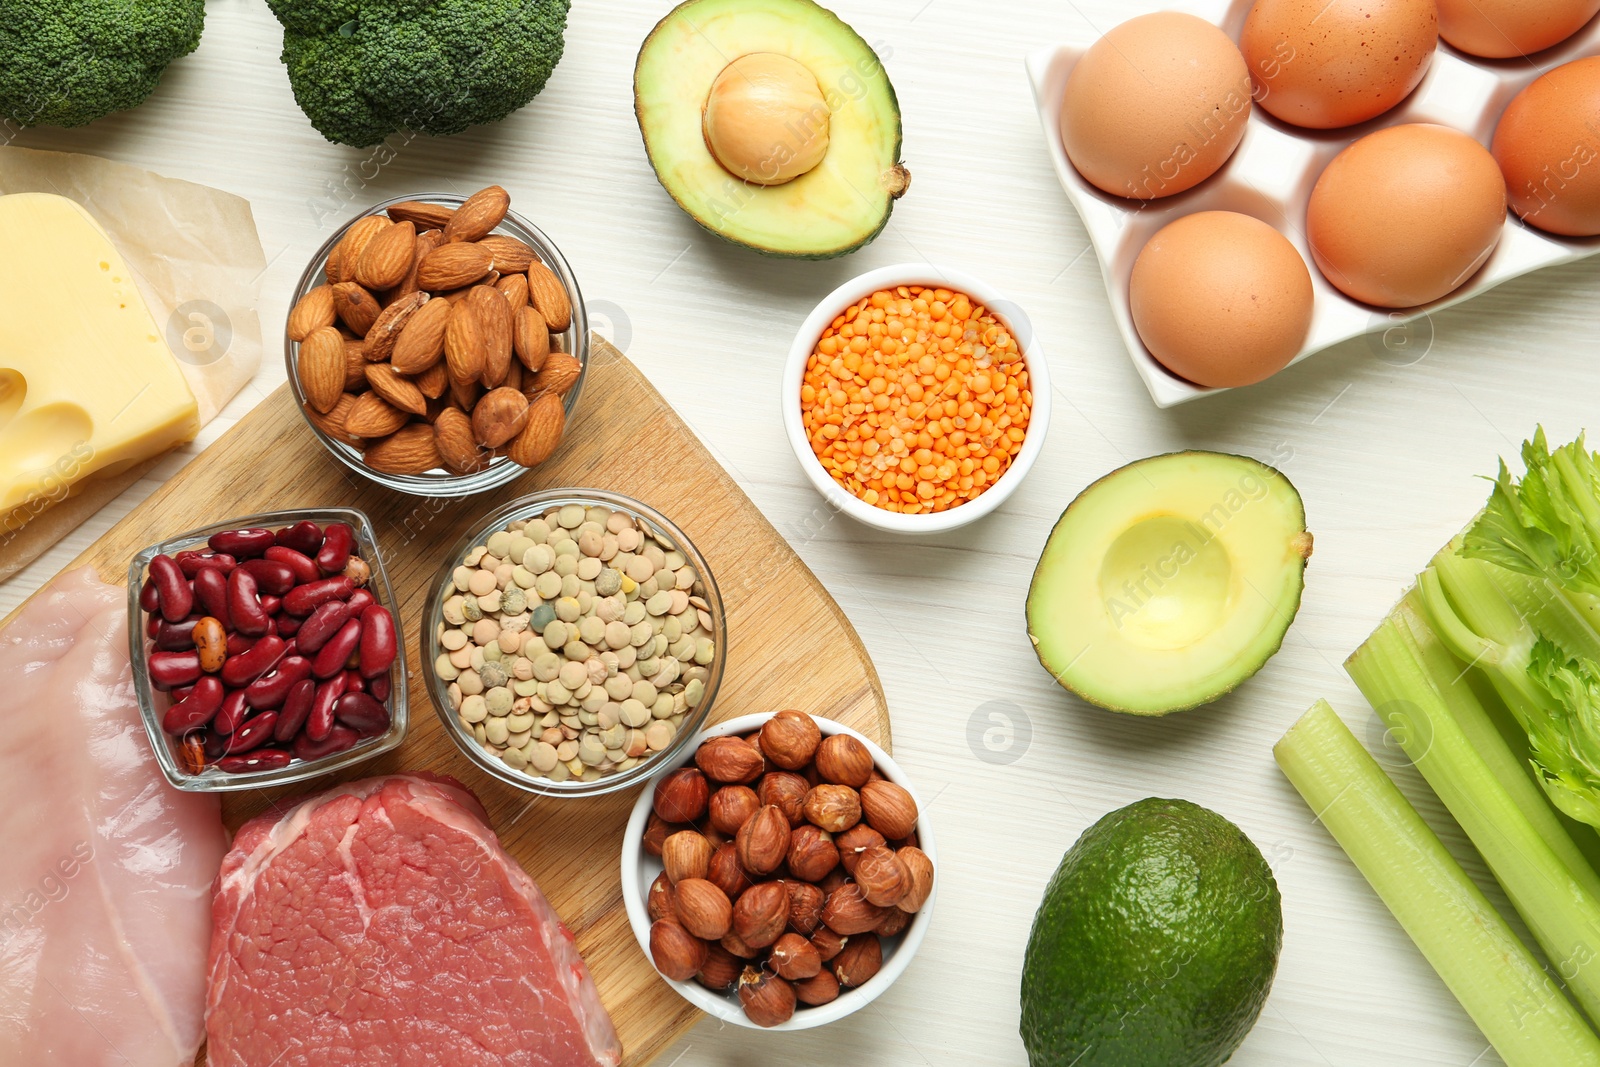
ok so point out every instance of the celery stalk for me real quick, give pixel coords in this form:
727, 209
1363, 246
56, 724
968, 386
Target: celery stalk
1493, 975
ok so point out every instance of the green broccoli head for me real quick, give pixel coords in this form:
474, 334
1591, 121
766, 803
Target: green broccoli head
363, 69
68, 62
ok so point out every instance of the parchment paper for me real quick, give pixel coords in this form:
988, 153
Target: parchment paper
198, 262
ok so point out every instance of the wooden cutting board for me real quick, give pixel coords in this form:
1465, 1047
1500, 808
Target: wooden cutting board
789, 644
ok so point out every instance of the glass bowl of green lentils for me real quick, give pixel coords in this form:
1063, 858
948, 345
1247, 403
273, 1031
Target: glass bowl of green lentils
573, 643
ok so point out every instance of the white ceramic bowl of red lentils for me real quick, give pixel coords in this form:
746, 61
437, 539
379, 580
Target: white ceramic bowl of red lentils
916, 398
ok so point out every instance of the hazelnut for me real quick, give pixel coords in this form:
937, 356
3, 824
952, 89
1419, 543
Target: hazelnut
656, 832
768, 1000
848, 911
736, 947
829, 943
754, 741
703, 909
730, 760
805, 907
812, 853
793, 957
681, 796
720, 972
889, 809
790, 738
686, 854
731, 806
761, 914
854, 841
787, 791
861, 959
678, 954
920, 869
763, 841
660, 903
727, 873
712, 834
833, 880
823, 989
894, 923
835, 808
843, 760
884, 881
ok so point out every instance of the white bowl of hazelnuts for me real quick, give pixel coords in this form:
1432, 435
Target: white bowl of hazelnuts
780, 875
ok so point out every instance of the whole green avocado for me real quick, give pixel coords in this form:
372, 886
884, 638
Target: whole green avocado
69, 62
363, 69
1155, 945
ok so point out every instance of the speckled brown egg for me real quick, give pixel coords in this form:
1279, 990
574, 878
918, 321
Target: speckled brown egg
1404, 216
1221, 298
1503, 29
1156, 106
1330, 63
1548, 147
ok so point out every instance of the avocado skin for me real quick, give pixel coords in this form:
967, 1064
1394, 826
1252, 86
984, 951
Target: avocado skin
1156, 943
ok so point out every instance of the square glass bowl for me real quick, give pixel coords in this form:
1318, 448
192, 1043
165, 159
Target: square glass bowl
500, 471
153, 703
534, 506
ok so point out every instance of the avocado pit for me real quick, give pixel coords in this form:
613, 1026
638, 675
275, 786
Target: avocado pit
766, 120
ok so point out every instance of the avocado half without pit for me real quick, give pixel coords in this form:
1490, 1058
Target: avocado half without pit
772, 123
1168, 582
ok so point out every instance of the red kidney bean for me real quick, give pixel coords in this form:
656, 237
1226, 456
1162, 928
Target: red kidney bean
192, 562
321, 720
331, 659
239, 644
168, 670
339, 739
304, 536
353, 682
177, 599
361, 713
303, 566
304, 599
149, 598
271, 689
242, 544
196, 709
246, 667
361, 600
153, 625
211, 589
270, 603
176, 636
233, 712
322, 624
338, 541
271, 576
262, 759
377, 640
244, 605
253, 733
181, 693
379, 687
286, 625
214, 743
296, 709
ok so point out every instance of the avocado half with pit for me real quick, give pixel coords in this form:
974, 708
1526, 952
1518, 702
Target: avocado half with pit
1168, 582
772, 123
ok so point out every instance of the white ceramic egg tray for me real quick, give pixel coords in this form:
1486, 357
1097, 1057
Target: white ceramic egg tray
1271, 176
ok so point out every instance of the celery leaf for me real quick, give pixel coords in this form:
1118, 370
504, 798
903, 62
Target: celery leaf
1548, 523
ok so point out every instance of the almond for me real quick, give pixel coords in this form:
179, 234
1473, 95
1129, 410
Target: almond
435, 381
320, 365
547, 420
372, 416
355, 366
385, 332
409, 450
421, 339
313, 310
530, 337
424, 215
481, 213
511, 256
464, 346
426, 242
387, 259
331, 268
452, 432
550, 297
333, 423
357, 308
452, 266
465, 394
514, 376
499, 416
558, 375
494, 320
399, 391
515, 289
355, 240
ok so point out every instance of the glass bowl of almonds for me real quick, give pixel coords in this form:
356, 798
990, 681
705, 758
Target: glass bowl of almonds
573, 643
437, 344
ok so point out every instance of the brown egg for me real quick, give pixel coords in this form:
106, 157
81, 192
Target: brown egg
1331, 63
1404, 216
1221, 298
1548, 148
1502, 29
1156, 106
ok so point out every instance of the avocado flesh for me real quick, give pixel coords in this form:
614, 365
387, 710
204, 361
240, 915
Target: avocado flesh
1168, 582
836, 207
1155, 945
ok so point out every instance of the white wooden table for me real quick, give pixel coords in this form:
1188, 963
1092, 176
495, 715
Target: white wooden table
1384, 450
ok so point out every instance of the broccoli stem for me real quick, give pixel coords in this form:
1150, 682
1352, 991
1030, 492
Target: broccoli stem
1493, 975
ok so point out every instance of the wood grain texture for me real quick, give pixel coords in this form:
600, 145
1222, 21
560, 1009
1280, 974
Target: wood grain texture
789, 645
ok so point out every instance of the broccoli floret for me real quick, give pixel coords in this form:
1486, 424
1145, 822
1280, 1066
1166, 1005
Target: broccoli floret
68, 62
363, 69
